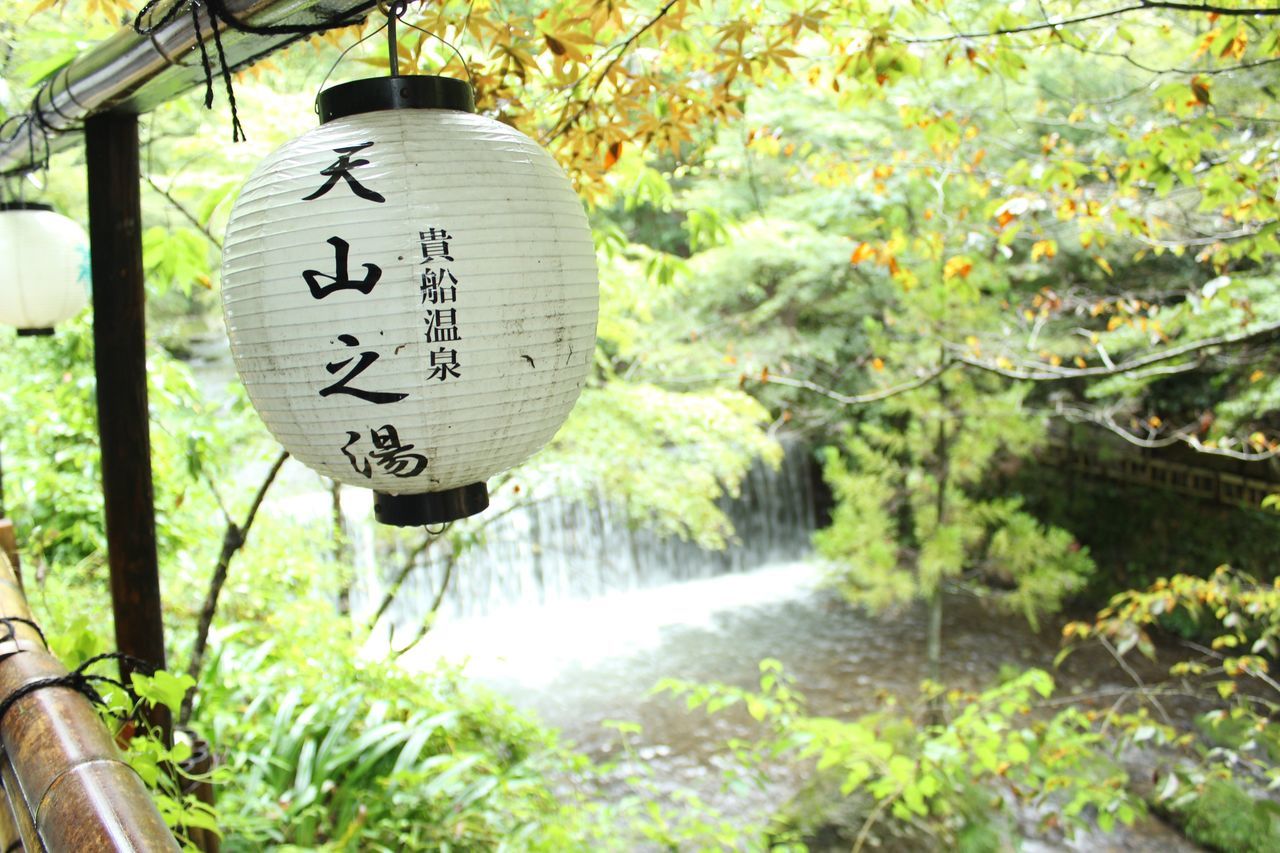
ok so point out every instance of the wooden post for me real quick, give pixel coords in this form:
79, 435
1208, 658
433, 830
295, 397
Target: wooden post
119, 347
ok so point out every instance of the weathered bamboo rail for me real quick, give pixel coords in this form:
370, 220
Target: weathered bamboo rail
66, 788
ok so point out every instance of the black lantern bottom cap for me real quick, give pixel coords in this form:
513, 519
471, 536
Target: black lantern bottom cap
34, 333
431, 507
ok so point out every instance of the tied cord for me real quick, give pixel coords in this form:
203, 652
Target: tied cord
79, 679
217, 11
9, 621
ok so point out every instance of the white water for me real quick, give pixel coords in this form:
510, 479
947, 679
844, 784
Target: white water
560, 551
530, 647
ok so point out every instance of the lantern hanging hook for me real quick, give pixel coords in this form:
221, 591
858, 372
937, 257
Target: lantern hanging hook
448, 44
315, 105
394, 11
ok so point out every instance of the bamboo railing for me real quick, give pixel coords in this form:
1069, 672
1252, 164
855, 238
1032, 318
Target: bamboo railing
66, 788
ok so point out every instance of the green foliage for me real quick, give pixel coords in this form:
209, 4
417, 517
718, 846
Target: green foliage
1142, 534
830, 206
48, 436
325, 750
159, 765
1227, 819
927, 773
1231, 750
383, 765
672, 455
908, 516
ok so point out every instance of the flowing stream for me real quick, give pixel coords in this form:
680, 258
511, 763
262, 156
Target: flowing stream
574, 617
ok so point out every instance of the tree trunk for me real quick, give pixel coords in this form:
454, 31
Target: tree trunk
340, 550
933, 638
933, 647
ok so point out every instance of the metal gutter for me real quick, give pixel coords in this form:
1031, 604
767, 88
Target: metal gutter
133, 74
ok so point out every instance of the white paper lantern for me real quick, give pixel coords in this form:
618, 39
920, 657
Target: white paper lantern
45, 261
410, 291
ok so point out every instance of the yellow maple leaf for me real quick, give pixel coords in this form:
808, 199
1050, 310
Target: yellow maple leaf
1044, 249
958, 267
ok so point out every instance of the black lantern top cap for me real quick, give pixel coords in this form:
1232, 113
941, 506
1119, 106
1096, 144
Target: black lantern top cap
24, 205
421, 92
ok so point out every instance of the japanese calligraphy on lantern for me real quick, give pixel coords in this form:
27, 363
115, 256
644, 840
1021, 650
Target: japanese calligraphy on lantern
439, 287
411, 297
386, 451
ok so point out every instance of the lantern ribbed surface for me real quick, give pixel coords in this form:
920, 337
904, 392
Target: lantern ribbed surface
457, 338
45, 257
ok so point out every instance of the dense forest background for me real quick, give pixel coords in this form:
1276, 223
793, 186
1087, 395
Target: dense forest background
959, 251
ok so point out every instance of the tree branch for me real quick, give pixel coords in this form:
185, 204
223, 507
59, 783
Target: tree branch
232, 541
1027, 28
1208, 8
1048, 373
410, 563
1142, 5
619, 51
863, 399
429, 619
1147, 694
187, 214
1185, 435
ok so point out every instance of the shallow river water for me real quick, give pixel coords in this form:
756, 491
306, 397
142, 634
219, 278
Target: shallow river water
580, 664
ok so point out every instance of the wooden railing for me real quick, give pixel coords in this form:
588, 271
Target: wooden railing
66, 787
1136, 467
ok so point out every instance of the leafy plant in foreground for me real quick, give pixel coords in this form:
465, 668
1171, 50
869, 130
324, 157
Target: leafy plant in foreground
1232, 746
946, 778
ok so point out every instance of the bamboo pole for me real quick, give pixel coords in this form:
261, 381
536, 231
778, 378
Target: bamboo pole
11, 812
67, 786
9, 546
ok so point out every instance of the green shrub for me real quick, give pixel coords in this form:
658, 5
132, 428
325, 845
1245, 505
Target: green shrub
1226, 818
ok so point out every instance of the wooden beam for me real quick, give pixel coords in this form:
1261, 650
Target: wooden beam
119, 347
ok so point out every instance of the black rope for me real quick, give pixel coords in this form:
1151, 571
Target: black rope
82, 681
9, 621
216, 10
237, 130
24, 123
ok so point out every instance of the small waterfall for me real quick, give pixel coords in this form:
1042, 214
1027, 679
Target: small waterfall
561, 549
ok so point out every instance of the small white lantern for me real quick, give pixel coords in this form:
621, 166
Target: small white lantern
410, 291
45, 260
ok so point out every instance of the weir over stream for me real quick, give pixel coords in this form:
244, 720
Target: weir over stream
561, 549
